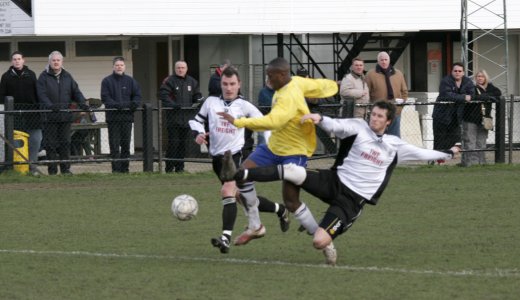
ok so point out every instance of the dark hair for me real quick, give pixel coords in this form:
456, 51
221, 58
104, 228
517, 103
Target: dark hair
279, 64
459, 64
15, 53
389, 106
118, 58
230, 71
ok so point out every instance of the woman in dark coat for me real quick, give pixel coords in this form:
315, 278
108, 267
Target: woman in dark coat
474, 134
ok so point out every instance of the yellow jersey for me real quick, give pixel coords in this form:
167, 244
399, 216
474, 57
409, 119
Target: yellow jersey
288, 135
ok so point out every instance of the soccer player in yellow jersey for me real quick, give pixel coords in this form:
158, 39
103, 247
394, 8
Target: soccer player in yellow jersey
291, 141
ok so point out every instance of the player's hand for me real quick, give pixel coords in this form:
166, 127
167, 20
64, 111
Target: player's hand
227, 117
315, 118
456, 148
202, 138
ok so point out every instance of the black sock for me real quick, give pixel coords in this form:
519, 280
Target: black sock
261, 174
229, 215
266, 205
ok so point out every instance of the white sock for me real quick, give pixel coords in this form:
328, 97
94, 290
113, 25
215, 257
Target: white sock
227, 232
304, 216
249, 193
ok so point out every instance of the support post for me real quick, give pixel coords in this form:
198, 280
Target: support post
147, 138
500, 131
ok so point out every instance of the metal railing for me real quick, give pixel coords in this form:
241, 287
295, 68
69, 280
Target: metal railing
503, 143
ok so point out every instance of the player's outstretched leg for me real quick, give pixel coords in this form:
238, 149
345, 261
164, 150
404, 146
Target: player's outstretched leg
249, 235
228, 167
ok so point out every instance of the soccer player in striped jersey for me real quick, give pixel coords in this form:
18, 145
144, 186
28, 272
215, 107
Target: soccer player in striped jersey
226, 137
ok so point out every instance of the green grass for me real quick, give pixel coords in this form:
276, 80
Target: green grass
437, 233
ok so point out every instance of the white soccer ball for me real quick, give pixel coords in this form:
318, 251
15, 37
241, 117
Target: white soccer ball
185, 207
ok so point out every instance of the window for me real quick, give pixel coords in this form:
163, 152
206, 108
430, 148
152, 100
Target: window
99, 48
5, 51
41, 49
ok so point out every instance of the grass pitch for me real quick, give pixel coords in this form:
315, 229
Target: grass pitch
437, 233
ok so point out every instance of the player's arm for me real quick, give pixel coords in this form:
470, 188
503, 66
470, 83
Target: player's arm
408, 152
197, 125
198, 132
319, 88
281, 113
341, 128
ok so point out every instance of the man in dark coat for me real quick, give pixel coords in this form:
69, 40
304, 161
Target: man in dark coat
20, 83
447, 118
176, 92
56, 91
214, 88
123, 93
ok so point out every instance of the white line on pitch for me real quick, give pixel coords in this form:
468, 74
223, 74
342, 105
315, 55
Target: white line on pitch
493, 273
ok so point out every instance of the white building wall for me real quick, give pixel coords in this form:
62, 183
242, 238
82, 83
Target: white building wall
137, 17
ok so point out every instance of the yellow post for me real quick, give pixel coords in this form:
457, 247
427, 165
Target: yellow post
21, 142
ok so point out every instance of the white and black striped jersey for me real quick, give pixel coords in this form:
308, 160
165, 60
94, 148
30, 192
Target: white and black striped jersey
223, 135
365, 161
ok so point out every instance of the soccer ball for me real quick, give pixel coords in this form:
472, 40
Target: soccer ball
184, 207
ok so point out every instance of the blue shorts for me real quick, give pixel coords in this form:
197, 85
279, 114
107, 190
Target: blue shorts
262, 157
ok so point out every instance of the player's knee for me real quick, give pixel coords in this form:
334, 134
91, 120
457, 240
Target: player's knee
294, 173
321, 239
228, 189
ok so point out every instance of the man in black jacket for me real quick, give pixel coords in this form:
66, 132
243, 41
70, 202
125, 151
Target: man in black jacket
214, 88
56, 91
455, 89
122, 92
20, 83
176, 92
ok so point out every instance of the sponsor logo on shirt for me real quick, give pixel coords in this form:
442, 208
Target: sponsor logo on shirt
372, 156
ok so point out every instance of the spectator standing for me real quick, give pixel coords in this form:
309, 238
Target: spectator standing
176, 92
214, 88
57, 90
265, 100
121, 92
387, 83
457, 89
354, 88
474, 135
265, 97
20, 83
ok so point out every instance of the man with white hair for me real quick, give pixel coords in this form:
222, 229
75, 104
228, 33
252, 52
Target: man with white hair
387, 83
178, 91
57, 89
